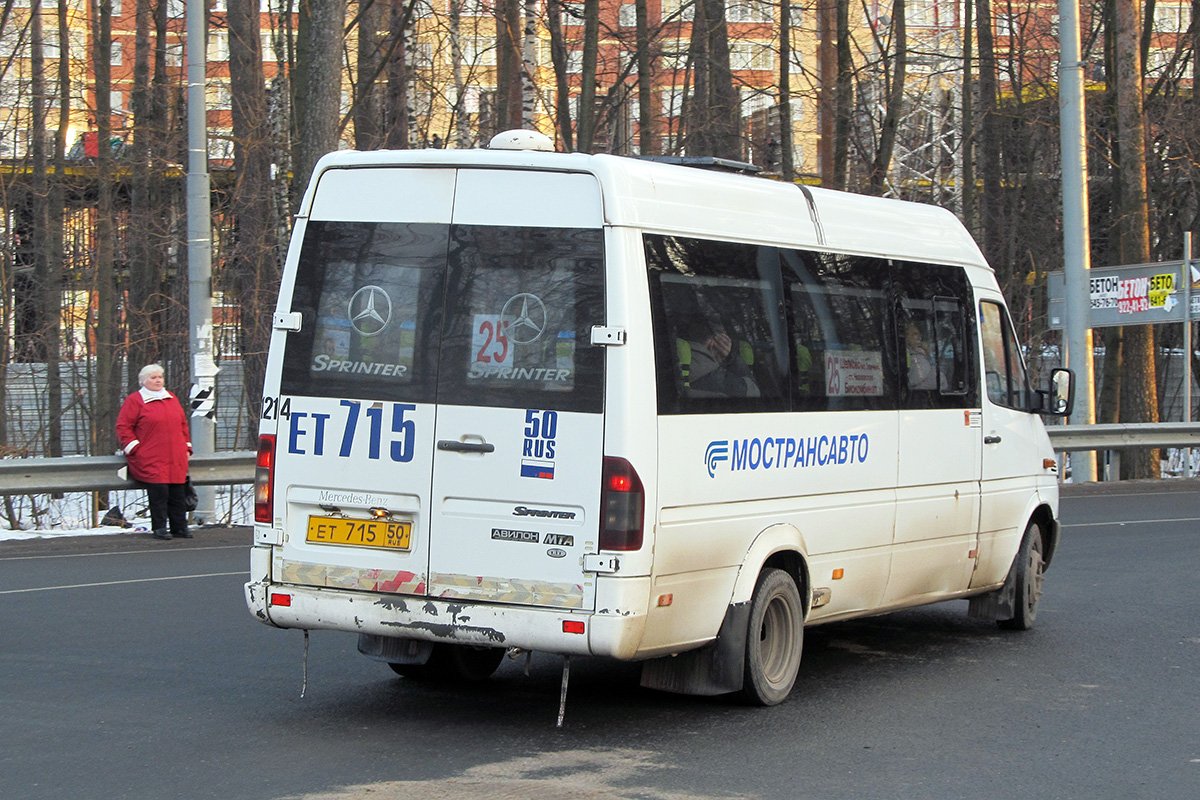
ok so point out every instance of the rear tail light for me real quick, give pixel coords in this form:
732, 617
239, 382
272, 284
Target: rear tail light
264, 478
622, 502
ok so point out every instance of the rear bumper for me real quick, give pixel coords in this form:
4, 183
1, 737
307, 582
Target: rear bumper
483, 624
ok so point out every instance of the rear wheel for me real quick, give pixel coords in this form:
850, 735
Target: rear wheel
414, 672
1030, 568
458, 662
775, 639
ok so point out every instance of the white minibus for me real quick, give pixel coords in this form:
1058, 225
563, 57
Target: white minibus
594, 405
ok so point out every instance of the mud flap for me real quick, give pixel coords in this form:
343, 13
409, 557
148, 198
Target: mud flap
715, 668
998, 604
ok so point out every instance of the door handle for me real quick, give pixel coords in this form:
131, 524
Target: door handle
991, 440
465, 447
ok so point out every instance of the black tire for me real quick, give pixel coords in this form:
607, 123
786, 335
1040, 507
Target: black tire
1030, 571
463, 662
774, 640
454, 662
414, 672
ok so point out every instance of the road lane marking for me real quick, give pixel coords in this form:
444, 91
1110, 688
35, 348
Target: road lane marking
117, 583
1129, 522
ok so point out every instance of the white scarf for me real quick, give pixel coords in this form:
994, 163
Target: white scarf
147, 395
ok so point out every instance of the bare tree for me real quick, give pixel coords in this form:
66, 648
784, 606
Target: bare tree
647, 135
253, 262
562, 90
508, 66
787, 149
714, 115
894, 81
586, 125
318, 89
1139, 400
108, 373
367, 112
529, 64
47, 269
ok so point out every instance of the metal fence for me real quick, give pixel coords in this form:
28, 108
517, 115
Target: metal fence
26, 411
99, 473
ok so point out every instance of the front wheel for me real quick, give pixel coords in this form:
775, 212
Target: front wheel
1030, 570
774, 639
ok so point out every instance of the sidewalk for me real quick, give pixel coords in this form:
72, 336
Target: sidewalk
69, 545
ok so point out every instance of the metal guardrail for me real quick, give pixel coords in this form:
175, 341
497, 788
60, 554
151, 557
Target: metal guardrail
99, 473
1119, 436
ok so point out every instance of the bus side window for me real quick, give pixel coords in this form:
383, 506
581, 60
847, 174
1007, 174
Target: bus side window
1004, 371
934, 326
840, 334
718, 327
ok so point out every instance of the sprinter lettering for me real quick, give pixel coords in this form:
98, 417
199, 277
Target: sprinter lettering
323, 363
522, 511
786, 452
518, 373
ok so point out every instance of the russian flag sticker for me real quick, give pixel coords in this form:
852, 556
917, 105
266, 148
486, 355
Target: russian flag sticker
531, 468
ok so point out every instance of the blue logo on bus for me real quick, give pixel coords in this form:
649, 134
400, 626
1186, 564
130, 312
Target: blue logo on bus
717, 451
786, 452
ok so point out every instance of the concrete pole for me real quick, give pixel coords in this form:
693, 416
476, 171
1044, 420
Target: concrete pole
199, 246
1077, 334
1187, 344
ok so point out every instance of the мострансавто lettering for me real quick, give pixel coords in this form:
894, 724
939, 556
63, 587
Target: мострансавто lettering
785, 452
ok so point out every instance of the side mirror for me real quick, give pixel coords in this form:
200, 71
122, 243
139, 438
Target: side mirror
1061, 395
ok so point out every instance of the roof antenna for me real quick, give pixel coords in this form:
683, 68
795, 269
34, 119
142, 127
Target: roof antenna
521, 140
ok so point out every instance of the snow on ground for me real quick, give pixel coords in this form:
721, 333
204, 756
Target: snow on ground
43, 516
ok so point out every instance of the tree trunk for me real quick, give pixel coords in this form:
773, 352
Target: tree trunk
508, 66
143, 269
989, 140
843, 100
397, 111
462, 126
725, 104
696, 112
57, 206
877, 181
562, 89
1139, 396
787, 155
254, 264
645, 81
968, 119
529, 65
319, 64
107, 396
46, 269
368, 108
586, 126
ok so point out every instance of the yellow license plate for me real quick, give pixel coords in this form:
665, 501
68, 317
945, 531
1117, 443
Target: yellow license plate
360, 532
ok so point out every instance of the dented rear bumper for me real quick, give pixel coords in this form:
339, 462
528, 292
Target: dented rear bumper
614, 632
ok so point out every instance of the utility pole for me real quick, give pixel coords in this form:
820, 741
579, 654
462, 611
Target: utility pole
1077, 334
199, 250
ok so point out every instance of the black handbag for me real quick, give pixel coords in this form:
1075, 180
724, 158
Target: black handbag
190, 499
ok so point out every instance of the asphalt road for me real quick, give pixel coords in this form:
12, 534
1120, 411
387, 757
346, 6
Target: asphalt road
130, 668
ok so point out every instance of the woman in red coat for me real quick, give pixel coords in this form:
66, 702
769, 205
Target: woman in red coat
153, 430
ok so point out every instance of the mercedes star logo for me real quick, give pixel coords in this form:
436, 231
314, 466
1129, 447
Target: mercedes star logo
523, 318
370, 310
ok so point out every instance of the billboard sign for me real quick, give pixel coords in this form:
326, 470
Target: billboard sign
1148, 294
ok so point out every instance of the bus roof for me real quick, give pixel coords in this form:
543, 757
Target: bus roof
687, 201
